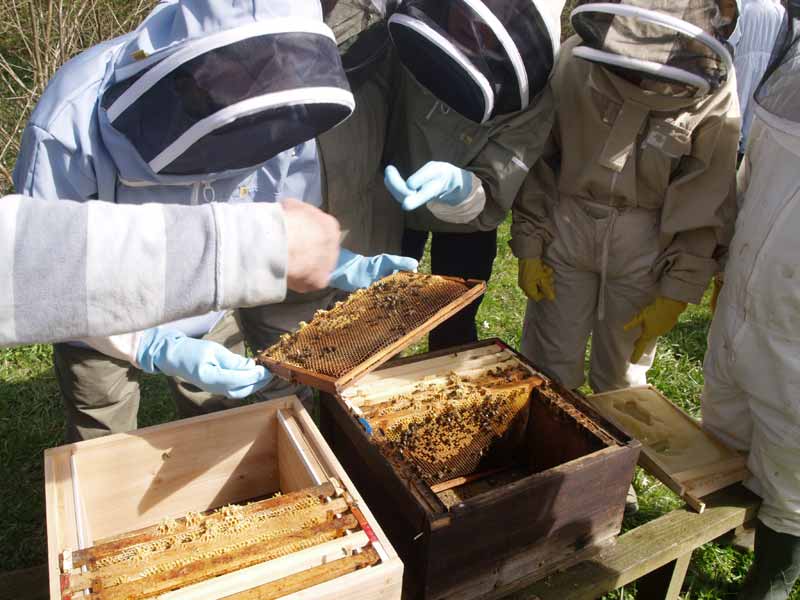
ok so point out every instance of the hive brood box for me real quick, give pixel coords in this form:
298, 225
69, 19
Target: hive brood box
559, 497
304, 531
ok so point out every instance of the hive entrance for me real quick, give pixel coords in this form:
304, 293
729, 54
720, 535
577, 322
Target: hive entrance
368, 328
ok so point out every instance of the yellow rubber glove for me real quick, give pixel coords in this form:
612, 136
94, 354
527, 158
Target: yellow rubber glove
718, 283
655, 320
536, 279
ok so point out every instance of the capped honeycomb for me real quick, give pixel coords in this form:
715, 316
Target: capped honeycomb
368, 322
181, 552
445, 430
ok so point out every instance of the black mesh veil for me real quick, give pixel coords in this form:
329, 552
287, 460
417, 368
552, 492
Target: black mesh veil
482, 57
234, 106
673, 42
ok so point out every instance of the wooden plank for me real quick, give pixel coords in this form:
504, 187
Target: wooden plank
384, 583
649, 547
133, 480
665, 582
298, 466
309, 578
60, 513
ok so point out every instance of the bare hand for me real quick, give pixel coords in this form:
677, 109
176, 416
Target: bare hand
313, 246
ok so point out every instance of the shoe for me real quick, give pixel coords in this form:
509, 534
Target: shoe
775, 568
631, 502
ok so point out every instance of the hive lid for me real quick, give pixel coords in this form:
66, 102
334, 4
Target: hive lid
686, 458
358, 335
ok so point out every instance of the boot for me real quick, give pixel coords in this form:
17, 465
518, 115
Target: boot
775, 568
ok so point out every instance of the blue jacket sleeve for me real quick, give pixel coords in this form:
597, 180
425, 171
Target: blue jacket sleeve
48, 169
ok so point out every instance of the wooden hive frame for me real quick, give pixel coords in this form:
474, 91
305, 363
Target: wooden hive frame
474, 289
568, 507
100, 490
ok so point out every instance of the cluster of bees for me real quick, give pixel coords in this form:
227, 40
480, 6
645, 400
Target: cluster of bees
443, 431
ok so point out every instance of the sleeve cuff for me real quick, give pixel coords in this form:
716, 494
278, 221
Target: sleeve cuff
527, 247
252, 254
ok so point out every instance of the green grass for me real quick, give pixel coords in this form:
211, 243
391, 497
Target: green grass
31, 420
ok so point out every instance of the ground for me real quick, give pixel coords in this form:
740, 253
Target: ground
31, 420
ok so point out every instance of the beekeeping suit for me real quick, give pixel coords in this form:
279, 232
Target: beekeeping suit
753, 43
473, 113
618, 223
751, 398
207, 101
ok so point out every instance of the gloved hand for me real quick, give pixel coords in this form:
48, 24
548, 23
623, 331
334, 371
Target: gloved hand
718, 283
438, 181
536, 279
655, 320
208, 365
354, 271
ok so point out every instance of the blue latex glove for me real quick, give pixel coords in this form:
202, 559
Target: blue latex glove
354, 271
208, 365
439, 181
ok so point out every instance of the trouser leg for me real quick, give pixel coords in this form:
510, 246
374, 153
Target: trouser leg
469, 256
190, 400
725, 405
414, 243
555, 333
611, 344
264, 325
100, 394
776, 567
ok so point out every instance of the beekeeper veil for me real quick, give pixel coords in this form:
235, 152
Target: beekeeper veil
208, 86
483, 58
673, 47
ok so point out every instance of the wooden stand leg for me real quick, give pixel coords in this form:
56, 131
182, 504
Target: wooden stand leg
665, 582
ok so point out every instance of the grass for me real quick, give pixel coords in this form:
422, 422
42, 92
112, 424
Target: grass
31, 420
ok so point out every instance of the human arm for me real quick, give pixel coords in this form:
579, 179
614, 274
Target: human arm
696, 213
71, 270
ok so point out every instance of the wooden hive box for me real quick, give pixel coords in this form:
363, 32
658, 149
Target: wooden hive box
101, 491
562, 501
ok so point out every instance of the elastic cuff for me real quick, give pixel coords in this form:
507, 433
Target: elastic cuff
252, 254
464, 212
123, 347
681, 291
527, 247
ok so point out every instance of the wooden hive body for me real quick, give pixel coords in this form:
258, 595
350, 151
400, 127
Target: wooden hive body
567, 503
104, 489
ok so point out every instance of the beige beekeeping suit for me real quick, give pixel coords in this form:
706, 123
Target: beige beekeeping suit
628, 203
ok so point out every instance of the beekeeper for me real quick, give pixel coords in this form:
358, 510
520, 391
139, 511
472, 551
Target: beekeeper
616, 228
46, 246
207, 101
753, 43
752, 373
473, 113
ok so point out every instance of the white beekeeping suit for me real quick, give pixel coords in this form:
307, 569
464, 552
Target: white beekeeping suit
753, 43
751, 398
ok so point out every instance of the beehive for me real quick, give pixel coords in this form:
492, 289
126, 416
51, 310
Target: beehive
246, 504
546, 488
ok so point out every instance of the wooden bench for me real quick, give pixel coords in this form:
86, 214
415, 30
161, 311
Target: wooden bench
656, 553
